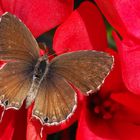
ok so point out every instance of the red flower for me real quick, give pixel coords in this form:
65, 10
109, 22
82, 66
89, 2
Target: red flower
113, 113
124, 16
120, 122
110, 114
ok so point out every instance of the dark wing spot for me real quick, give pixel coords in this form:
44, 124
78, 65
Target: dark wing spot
46, 119
6, 103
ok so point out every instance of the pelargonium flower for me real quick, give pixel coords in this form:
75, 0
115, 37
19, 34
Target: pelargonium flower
111, 113
124, 16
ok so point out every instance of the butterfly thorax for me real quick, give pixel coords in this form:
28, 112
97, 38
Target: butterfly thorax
40, 71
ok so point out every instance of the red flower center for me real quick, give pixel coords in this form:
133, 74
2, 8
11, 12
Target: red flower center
102, 108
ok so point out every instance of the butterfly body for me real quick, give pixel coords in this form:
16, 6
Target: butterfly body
40, 72
27, 76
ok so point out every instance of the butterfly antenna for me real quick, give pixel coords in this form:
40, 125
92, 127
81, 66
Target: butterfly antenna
60, 52
43, 47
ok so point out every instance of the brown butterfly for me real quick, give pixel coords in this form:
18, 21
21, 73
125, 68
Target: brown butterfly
31, 77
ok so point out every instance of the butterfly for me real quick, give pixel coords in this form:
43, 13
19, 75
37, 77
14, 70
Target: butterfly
29, 77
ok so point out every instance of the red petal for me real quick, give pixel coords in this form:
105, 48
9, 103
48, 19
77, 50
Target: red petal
1, 64
114, 81
7, 125
130, 60
129, 100
20, 124
123, 15
83, 30
39, 16
13, 125
1, 11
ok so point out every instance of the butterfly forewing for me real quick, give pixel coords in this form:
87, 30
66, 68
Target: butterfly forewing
16, 41
19, 49
85, 69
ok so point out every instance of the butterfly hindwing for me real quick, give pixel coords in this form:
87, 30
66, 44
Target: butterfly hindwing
14, 84
55, 101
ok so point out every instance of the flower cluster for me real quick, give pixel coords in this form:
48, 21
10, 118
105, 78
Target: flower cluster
113, 112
